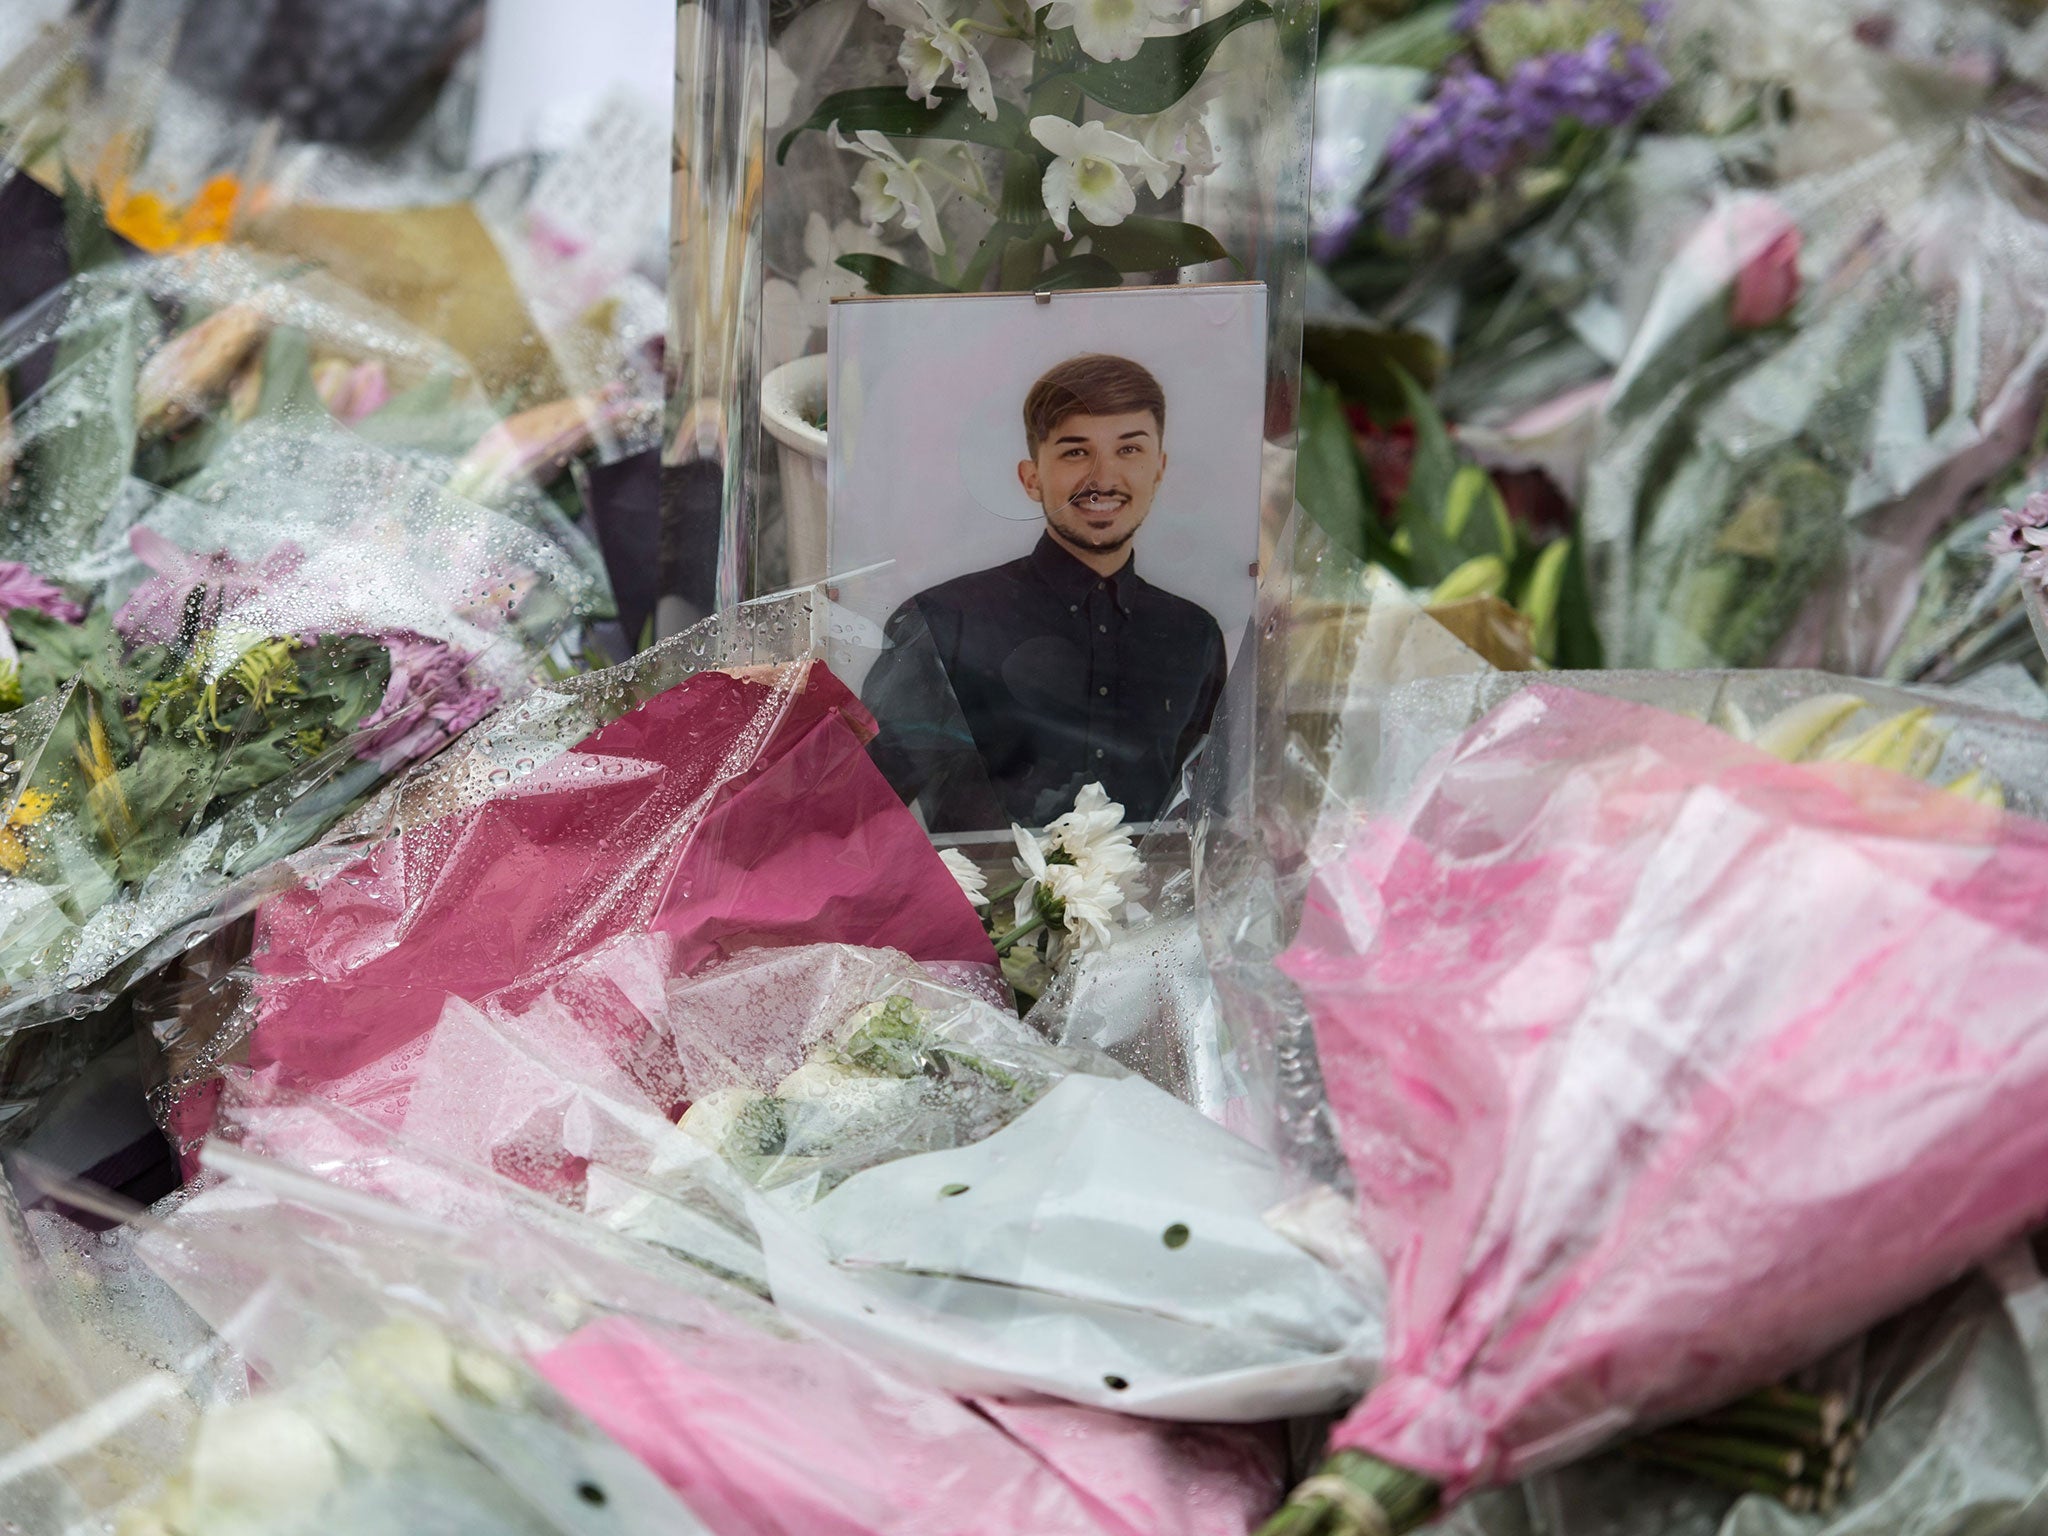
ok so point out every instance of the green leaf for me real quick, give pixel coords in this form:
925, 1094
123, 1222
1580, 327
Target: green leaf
1578, 641
1152, 245
86, 235
1329, 481
1080, 272
891, 277
1543, 594
429, 419
1476, 516
886, 109
1481, 576
1436, 552
1164, 68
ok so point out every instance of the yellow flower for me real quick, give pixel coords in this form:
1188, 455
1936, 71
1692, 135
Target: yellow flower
157, 226
30, 808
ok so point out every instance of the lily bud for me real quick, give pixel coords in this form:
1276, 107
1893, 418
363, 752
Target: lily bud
194, 371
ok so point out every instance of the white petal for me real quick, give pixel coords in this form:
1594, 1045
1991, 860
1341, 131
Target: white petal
973, 73
817, 240
1103, 192
1058, 190
923, 62
1057, 134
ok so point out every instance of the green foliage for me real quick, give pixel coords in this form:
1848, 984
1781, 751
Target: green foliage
1163, 70
888, 109
883, 275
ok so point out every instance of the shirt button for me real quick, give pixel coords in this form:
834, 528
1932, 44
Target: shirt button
1104, 692
1098, 751
1102, 629
1073, 607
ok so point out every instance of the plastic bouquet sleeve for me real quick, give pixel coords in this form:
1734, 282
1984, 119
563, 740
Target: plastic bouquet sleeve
1661, 1064
728, 812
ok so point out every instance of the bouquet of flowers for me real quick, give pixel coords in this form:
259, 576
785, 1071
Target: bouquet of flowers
1602, 949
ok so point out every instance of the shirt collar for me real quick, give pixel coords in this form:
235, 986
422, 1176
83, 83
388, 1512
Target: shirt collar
1071, 579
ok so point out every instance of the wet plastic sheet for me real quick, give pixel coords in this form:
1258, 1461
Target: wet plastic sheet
1634, 1032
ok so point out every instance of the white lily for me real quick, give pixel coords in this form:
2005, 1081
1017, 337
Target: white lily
891, 187
1113, 30
933, 49
1091, 172
973, 883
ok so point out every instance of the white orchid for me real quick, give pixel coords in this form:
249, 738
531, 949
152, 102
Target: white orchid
1179, 136
934, 49
824, 279
1092, 172
1113, 30
891, 187
973, 883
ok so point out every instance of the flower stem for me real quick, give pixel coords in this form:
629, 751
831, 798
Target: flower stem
1356, 1494
1009, 940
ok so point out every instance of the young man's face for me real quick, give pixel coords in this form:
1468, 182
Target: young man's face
1095, 476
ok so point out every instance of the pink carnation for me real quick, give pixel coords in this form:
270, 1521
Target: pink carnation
432, 697
21, 587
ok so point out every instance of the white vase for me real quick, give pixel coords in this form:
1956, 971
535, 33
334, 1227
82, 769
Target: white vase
792, 398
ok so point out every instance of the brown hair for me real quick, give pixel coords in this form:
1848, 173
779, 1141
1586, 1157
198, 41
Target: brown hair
1094, 385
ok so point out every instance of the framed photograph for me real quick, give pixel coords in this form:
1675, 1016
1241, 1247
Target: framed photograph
1048, 507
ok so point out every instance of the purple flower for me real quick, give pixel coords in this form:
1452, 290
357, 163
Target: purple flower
432, 697
1476, 129
2023, 530
21, 587
157, 609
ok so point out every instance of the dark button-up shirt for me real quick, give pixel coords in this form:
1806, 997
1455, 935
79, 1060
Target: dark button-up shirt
1005, 691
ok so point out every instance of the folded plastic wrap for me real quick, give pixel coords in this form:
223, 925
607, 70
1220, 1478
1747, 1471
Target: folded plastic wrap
905, 1167
1662, 1062
317, 1223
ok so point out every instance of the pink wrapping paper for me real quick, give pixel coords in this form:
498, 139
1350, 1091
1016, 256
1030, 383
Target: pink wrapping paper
1662, 1065
726, 813
781, 1437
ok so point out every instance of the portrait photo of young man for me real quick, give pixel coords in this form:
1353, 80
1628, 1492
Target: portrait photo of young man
1065, 665
1047, 507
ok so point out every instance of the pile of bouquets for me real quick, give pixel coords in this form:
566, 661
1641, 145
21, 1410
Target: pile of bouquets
1712, 321
233, 602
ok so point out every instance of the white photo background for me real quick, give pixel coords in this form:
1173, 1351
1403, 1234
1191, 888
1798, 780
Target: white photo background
927, 430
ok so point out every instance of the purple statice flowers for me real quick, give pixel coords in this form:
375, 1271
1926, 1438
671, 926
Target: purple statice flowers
1477, 128
433, 695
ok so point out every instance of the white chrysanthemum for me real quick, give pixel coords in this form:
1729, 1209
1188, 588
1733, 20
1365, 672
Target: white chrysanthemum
1081, 902
1091, 172
935, 49
1094, 836
892, 188
973, 883
1112, 30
